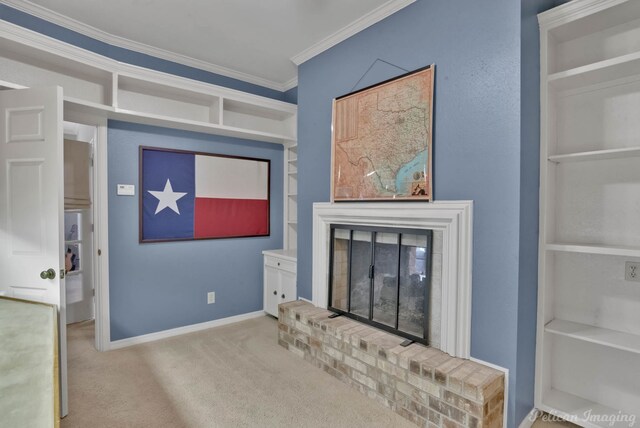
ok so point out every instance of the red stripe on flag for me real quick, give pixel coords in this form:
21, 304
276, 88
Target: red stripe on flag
218, 218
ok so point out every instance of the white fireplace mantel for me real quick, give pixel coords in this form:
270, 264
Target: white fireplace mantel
453, 218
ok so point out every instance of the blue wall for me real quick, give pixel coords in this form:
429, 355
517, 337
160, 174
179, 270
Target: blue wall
529, 197
128, 56
159, 286
478, 139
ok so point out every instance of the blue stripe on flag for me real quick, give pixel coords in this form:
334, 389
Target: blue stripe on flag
179, 168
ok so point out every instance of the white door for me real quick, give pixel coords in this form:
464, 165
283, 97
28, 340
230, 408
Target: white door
31, 203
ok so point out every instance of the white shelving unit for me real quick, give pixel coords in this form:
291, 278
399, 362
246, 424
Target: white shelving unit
588, 344
125, 92
291, 197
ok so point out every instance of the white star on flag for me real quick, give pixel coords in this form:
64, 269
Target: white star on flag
167, 198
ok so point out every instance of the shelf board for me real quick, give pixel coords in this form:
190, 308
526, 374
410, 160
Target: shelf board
607, 250
575, 409
292, 194
293, 160
600, 336
194, 125
599, 72
293, 173
596, 155
76, 103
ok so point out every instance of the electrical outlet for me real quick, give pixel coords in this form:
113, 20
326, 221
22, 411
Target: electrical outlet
632, 271
211, 297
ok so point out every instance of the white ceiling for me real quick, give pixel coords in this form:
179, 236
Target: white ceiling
253, 40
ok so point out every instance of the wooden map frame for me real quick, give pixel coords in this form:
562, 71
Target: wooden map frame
346, 129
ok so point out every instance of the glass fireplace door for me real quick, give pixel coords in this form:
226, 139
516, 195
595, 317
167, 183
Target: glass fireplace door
381, 276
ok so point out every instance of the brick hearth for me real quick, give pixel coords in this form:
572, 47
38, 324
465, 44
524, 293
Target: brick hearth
422, 384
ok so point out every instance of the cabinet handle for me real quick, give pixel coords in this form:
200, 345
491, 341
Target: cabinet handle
283, 296
275, 292
278, 263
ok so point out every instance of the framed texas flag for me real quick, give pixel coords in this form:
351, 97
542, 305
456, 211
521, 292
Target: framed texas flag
190, 195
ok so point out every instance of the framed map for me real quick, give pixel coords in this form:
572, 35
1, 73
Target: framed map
381, 140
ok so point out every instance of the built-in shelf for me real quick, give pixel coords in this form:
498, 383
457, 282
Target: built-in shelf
596, 155
599, 72
590, 84
607, 250
576, 409
121, 91
291, 189
601, 336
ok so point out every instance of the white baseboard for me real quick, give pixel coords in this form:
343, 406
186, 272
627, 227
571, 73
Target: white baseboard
506, 385
151, 337
528, 421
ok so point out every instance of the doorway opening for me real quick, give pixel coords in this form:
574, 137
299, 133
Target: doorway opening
79, 144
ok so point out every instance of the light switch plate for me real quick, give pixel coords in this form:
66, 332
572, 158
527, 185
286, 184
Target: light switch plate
126, 189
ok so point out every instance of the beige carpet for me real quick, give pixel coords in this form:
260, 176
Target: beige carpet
231, 376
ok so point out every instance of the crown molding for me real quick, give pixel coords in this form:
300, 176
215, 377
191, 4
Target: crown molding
89, 31
290, 84
373, 17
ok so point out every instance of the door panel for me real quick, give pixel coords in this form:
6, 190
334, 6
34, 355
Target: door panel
272, 285
31, 201
287, 286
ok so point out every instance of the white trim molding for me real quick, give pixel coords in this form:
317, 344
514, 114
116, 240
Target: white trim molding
453, 218
290, 84
152, 337
530, 419
505, 411
373, 17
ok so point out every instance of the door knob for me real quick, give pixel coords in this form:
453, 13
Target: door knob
48, 274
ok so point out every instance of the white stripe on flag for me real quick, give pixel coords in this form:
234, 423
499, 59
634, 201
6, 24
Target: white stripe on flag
230, 178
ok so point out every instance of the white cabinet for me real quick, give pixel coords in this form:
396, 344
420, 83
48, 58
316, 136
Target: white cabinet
588, 344
279, 279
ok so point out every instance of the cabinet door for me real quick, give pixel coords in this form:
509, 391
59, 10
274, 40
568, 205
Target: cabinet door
271, 290
287, 287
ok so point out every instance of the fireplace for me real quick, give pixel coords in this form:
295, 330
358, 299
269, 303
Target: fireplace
449, 312
429, 385
381, 276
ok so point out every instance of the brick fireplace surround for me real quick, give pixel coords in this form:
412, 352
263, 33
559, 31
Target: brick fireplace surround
423, 384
